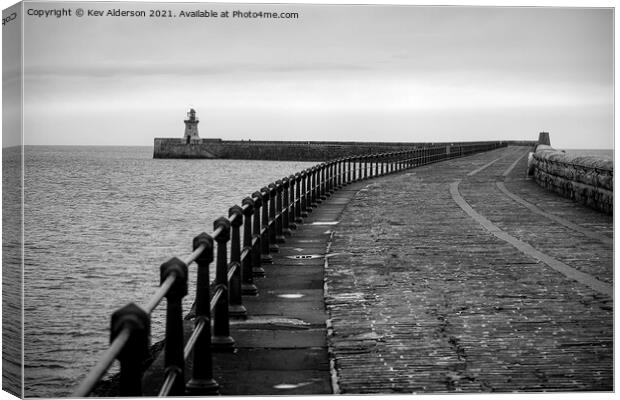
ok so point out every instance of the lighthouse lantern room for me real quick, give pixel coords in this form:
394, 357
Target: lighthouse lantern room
191, 126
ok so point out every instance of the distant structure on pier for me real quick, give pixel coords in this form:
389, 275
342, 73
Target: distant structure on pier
193, 146
191, 127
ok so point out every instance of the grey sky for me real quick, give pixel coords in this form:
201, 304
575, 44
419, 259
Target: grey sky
394, 73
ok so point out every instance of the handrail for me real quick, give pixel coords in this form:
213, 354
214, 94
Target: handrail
103, 365
160, 294
267, 217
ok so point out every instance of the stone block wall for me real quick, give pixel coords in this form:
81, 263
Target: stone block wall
587, 180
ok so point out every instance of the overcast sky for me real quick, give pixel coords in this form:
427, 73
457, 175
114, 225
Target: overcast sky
389, 73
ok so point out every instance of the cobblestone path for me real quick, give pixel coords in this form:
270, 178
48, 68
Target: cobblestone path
422, 298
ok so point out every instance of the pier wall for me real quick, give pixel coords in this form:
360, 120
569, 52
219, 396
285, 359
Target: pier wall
285, 150
587, 180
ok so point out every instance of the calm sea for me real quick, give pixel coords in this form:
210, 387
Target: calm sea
98, 223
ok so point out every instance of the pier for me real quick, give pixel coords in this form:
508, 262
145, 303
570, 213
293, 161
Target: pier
422, 271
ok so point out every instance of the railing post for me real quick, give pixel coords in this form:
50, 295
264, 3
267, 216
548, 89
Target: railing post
278, 212
339, 172
354, 169
322, 183
202, 382
286, 204
257, 247
349, 170
235, 307
375, 165
328, 179
272, 224
248, 287
333, 176
222, 342
329, 190
135, 351
303, 197
265, 236
365, 166
298, 198
325, 185
292, 202
382, 161
336, 175
174, 360
313, 196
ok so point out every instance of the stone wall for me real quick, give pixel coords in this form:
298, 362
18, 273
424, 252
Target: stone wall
284, 150
587, 180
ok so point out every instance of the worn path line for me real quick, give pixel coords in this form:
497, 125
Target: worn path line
474, 172
526, 248
513, 165
555, 218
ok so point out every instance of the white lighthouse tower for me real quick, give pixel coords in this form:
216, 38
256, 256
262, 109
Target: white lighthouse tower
191, 126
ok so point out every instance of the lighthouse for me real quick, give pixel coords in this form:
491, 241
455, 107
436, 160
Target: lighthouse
191, 126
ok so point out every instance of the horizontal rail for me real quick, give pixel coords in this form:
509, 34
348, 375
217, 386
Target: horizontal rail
159, 294
232, 270
195, 254
216, 297
193, 338
108, 357
171, 376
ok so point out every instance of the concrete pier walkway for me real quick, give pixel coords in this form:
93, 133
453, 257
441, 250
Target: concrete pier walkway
281, 349
457, 276
466, 276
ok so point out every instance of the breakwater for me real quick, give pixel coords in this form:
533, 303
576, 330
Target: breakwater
586, 180
253, 230
294, 150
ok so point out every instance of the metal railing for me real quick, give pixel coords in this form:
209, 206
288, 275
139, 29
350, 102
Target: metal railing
267, 217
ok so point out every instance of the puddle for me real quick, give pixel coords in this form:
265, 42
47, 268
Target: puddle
325, 223
315, 256
287, 386
348, 296
271, 321
306, 256
291, 295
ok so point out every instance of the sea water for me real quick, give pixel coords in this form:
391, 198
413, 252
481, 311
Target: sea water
98, 223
